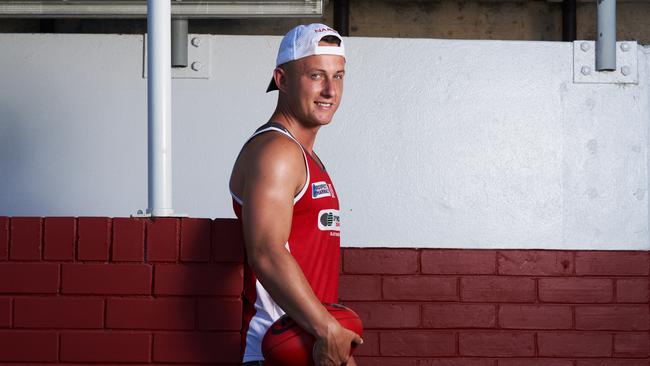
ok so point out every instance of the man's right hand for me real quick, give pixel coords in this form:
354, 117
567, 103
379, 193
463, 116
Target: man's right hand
333, 349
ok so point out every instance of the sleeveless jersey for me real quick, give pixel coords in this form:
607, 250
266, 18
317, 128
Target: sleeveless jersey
313, 242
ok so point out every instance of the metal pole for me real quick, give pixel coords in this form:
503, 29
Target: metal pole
179, 42
606, 36
342, 17
159, 107
569, 20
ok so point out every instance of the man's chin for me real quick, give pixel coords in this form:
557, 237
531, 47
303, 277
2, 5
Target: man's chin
325, 120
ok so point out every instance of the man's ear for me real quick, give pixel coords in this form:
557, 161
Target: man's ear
280, 77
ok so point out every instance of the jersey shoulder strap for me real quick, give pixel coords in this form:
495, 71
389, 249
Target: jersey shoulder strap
275, 126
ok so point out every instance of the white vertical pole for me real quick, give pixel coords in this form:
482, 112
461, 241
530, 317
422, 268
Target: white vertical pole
606, 36
159, 107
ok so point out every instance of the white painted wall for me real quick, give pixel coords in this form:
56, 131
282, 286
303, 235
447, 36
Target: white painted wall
438, 143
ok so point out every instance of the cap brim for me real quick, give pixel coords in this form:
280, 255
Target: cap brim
272, 86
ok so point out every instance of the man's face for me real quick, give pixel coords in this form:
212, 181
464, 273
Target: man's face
314, 88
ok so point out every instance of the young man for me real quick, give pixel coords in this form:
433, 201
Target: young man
287, 204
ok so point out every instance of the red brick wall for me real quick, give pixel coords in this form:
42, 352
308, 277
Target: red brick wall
141, 291
87, 290
499, 307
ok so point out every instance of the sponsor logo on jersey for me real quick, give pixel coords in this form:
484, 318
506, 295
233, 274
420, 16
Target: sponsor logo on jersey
329, 220
320, 190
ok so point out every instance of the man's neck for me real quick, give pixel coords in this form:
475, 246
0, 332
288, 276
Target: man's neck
306, 136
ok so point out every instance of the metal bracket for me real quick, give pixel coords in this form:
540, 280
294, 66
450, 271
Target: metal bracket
198, 59
144, 215
584, 64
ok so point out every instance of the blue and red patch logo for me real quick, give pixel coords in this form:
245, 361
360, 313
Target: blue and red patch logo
320, 190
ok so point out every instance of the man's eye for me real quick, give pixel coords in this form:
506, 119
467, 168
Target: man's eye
316, 76
338, 76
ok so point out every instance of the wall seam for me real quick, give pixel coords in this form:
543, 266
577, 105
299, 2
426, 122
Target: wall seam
105, 313
60, 287
575, 262
151, 345
10, 239
111, 237
76, 239
58, 346
42, 238
146, 241
13, 312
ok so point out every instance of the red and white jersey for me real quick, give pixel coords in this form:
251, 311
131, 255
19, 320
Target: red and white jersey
314, 243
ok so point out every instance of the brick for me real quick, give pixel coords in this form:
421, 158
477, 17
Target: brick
535, 317
94, 238
199, 279
631, 344
162, 240
25, 238
632, 290
458, 261
227, 241
380, 261
196, 347
58, 312
104, 279
497, 289
425, 288
574, 344
535, 262
158, 313
458, 316
575, 290
104, 364
614, 317
219, 314
370, 346
195, 240
29, 278
105, 346
114, 364
617, 263
460, 361
385, 361
128, 240
535, 362
28, 346
5, 312
496, 344
4, 238
417, 343
60, 236
359, 287
612, 362
387, 315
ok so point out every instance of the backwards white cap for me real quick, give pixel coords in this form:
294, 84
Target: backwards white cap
302, 41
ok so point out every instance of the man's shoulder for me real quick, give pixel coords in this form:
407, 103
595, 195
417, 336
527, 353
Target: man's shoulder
273, 145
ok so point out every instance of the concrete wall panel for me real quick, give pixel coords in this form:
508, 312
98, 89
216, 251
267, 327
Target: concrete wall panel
437, 143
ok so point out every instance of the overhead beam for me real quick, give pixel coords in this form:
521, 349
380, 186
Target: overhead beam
138, 8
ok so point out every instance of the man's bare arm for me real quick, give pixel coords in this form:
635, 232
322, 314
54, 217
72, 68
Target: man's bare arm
273, 173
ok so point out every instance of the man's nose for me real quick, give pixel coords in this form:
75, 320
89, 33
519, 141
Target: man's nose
329, 88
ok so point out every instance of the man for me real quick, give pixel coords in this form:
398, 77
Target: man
287, 204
